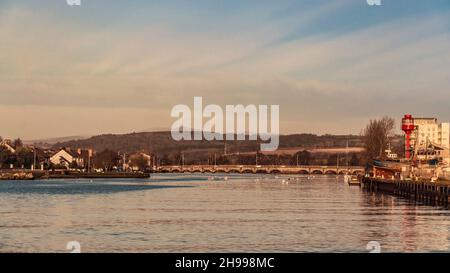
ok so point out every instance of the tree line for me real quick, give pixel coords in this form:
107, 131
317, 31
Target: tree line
300, 158
375, 138
25, 157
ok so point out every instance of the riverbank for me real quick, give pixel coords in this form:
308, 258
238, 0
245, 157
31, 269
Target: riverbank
35, 175
189, 212
22, 175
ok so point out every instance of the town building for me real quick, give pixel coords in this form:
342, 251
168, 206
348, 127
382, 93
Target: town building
430, 135
428, 130
7, 144
139, 161
68, 158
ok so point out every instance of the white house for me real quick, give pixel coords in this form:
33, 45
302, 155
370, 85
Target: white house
6, 143
66, 157
429, 132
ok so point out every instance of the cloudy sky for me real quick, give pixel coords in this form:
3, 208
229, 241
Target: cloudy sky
120, 66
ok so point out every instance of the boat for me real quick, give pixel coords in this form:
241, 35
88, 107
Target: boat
347, 178
353, 180
388, 164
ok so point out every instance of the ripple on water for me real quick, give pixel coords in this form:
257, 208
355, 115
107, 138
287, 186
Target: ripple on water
249, 213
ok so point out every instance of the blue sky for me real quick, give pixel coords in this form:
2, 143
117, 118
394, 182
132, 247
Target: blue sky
113, 66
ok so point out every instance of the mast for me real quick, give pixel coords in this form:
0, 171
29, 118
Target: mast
346, 153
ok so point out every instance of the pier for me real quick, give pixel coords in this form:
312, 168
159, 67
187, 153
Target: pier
261, 169
433, 193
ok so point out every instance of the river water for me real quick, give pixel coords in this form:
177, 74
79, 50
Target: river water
232, 213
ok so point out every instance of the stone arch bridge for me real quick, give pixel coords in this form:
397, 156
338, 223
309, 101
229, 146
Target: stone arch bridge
262, 169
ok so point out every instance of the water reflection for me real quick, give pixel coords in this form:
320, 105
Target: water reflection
81, 186
214, 213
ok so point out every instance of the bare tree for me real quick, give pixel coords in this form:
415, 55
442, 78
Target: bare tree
18, 143
140, 161
5, 156
106, 160
377, 135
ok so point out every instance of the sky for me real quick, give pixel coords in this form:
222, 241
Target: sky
111, 66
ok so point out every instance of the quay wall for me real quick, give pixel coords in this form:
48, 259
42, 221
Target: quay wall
32, 175
434, 193
16, 175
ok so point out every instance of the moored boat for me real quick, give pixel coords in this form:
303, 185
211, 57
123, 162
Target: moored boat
353, 180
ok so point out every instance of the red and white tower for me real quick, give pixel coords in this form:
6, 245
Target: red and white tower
408, 128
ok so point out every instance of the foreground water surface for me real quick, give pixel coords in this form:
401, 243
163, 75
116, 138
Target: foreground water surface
214, 213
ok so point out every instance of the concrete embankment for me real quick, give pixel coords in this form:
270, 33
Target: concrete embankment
31, 175
16, 176
75, 175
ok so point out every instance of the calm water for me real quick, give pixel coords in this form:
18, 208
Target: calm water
189, 213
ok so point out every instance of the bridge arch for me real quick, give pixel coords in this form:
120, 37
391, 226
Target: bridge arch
354, 170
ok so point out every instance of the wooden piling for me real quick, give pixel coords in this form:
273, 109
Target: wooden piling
433, 193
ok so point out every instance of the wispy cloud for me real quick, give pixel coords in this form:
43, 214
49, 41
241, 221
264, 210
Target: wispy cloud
305, 56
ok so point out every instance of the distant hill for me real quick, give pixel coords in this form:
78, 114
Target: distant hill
54, 140
322, 149
162, 143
